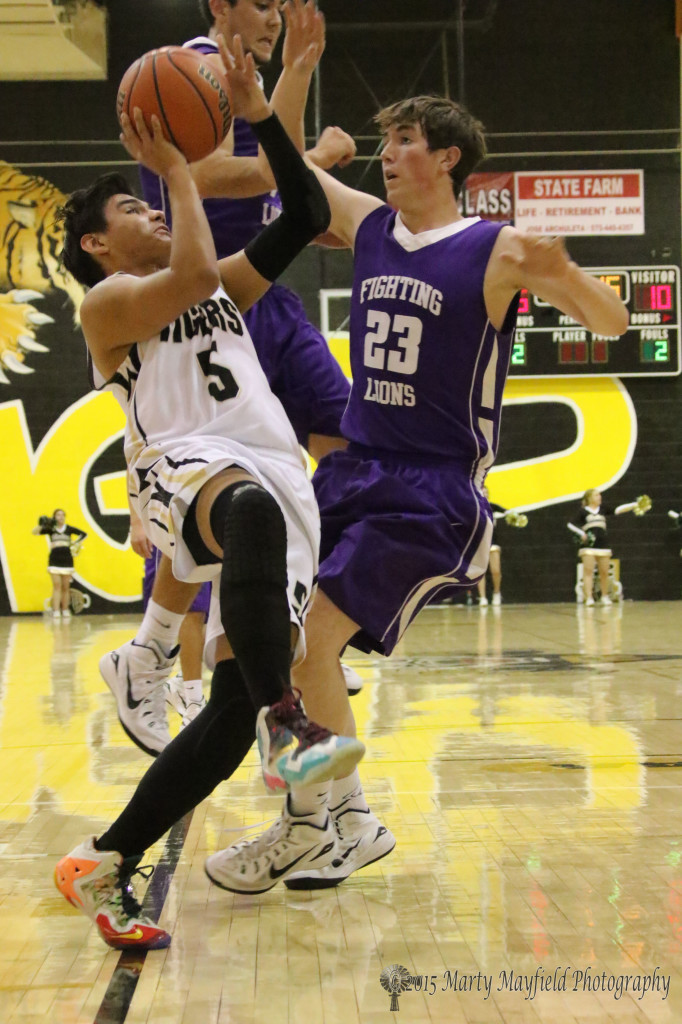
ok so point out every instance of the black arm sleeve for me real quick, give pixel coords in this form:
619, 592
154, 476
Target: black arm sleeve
305, 210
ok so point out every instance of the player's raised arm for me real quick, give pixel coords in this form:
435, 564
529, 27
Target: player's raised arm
305, 212
162, 275
304, 42
224, 175
543, 266
349, 206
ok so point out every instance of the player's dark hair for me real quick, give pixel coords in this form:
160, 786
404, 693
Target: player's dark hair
205, 10
443, 123
82, 213
58, 510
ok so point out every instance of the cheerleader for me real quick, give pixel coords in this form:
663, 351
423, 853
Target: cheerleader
589, 526
65, 542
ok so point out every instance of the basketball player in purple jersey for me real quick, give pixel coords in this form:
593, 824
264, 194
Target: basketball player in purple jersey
402, 509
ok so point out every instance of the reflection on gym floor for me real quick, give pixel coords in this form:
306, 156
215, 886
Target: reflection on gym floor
526, 758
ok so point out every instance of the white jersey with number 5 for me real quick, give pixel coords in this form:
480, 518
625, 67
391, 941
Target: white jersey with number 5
200, 375
198, 402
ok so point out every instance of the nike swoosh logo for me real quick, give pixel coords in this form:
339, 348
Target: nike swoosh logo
132, 703
137, 934
349, 810
278, 872
346, 853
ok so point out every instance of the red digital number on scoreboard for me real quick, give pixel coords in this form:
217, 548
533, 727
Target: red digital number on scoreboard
653, 297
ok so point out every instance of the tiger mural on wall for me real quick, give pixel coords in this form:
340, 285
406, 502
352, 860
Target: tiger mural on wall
31, 238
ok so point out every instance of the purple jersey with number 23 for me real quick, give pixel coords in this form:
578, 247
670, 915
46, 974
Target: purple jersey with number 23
402, 510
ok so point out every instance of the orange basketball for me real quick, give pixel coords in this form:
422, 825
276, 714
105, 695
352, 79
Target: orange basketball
188, 94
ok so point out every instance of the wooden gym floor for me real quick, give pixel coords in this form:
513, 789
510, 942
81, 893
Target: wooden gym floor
527, 759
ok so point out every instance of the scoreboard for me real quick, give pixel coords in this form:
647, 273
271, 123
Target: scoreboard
549, 344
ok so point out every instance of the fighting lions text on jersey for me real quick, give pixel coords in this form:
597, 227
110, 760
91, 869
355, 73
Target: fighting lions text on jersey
428, 366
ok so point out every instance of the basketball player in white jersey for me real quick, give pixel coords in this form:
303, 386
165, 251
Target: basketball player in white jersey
219, 483
402, 509
295, 357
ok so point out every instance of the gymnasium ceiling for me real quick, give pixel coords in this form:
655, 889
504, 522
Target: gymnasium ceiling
67, 39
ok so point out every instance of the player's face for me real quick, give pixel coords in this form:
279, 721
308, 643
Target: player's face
135, 231
409, 166
60, 517
258, 22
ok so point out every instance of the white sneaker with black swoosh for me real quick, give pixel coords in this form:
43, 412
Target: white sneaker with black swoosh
135, 674
354, 682
362, 840
255, 865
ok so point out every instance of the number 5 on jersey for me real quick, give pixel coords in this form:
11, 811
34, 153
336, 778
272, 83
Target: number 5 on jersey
228, 387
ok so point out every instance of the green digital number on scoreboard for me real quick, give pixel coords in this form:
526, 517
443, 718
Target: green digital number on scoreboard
548, 343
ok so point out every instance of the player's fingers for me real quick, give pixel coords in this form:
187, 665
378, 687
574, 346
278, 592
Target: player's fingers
127, 132
238, 52
157, 131
293, 15
225, 55
140, 125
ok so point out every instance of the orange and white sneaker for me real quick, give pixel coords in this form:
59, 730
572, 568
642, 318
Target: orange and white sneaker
98, 883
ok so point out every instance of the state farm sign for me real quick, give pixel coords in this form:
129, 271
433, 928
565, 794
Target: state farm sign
580, 202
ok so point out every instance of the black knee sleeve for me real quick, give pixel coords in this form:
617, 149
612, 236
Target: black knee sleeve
248, 523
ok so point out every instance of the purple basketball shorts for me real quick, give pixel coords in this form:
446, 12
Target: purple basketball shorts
393, 534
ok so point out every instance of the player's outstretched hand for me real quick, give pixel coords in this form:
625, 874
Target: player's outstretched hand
149, 147
248, 99
334, 148
539, 257
304, 39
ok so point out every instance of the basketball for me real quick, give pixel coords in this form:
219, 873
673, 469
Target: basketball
188, 94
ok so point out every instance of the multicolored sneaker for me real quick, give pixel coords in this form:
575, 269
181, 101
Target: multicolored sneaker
362, 840
297, 752
255, 865
135, 674
178, 698
98, 882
